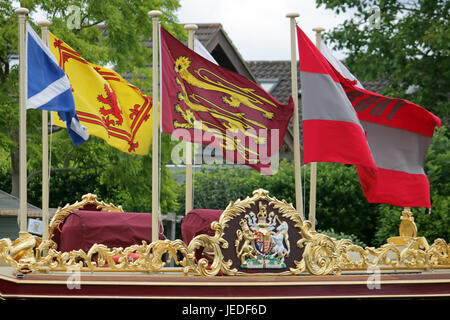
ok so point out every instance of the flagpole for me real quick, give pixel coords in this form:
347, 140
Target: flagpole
22, 13
296, 124
155, 156
313, 168
189, 187
45, 173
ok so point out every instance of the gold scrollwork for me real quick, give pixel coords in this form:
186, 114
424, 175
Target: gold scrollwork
319, 257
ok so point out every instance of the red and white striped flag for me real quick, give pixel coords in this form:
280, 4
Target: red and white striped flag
393, 136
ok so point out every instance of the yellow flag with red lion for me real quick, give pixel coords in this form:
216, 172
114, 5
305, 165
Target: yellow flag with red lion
106, 104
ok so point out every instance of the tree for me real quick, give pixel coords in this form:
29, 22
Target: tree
107, 32
9, 91
341, 205
408, 45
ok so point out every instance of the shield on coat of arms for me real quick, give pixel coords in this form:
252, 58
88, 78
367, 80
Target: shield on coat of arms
263, 242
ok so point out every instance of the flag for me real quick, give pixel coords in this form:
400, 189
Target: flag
331, 128
337, 65
48, 87
398, 133
107, 105
200, 49
219, 108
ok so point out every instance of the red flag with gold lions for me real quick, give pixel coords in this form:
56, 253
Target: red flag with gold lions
207, 104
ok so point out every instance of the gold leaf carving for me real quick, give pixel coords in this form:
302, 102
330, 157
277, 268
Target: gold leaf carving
321, 254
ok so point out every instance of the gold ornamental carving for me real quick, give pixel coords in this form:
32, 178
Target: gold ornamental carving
258, 235
86, 200
408, 233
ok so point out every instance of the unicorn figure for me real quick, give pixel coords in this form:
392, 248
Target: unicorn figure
281, 248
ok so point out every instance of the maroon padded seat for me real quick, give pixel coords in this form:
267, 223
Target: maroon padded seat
198, 221
84, 228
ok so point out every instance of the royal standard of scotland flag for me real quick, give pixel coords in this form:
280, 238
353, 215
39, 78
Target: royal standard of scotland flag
48, 87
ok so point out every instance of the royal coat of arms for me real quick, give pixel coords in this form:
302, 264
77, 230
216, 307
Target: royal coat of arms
262, 242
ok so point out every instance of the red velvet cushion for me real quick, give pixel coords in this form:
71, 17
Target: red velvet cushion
198, 221
82, 229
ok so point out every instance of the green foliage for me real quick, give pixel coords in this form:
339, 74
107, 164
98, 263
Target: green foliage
437, 163
431, 225
340, 203
110, 31
9, 88
341, 235
129, 182
216, 186
114, 176
436, 224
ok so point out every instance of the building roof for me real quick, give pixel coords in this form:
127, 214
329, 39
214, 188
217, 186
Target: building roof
279, 73
275, 78
9, 206
219, 45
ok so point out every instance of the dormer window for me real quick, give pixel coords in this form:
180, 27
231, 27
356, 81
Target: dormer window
268, 84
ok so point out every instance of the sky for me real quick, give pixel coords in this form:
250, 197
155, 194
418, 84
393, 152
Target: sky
259, 29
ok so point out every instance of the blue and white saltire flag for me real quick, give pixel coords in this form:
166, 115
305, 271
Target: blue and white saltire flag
48, 87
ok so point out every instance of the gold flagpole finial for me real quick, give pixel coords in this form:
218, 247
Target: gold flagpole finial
22, 11
292, 15
318, 29
154, 13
